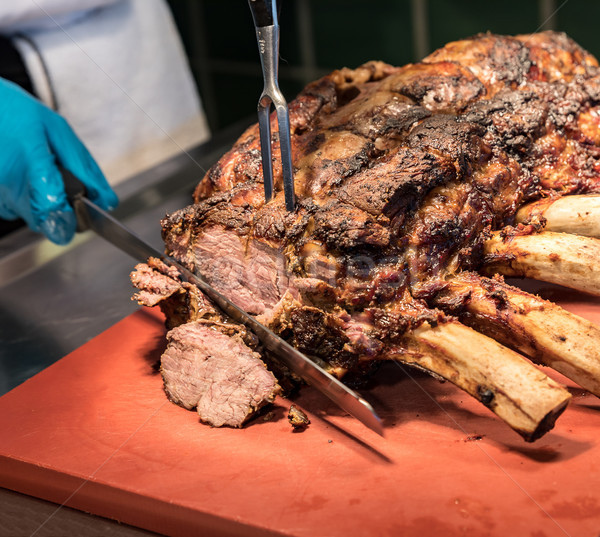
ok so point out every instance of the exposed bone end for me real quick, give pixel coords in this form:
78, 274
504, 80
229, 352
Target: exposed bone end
523, 396
541, 330
560, 258
568, 214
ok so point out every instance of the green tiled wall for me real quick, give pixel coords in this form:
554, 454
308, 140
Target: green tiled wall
344, 33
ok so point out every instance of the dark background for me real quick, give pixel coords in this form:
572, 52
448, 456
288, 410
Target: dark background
318, 36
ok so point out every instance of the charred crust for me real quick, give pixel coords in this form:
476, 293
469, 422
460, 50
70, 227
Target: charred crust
458, 140
347, 167
440, 86
297, 418
495, 294
485, 395
316, 333
515, 118
315, 142
401, 123
343, 226
452, 303
389, 325
545, 425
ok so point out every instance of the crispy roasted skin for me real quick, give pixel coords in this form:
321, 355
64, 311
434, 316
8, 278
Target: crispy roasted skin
401, 173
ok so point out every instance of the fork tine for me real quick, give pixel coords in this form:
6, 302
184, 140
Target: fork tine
264, 127
285, 144
267, 34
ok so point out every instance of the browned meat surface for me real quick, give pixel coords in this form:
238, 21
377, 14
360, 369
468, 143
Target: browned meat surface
180, 301
401, 175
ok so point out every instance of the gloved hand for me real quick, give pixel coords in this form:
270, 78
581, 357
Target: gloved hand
33, 140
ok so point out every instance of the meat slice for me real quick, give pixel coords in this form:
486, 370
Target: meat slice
217, 374
180, 301
155, 282
209, 363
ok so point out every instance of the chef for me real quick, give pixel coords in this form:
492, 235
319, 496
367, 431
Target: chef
78, 78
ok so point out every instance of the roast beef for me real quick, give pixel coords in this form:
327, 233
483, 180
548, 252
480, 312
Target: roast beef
401, 174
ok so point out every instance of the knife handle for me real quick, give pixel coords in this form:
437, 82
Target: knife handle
74, 189
73, 186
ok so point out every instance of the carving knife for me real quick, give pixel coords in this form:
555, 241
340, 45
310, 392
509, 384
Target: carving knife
90, 216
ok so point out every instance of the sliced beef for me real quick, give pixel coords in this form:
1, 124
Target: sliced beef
215, 373
180, 301
210, 364
155, 282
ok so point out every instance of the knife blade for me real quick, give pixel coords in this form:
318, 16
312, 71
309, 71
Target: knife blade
90, 216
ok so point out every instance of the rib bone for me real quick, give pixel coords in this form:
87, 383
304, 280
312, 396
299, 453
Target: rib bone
537, 328
560, 258
514, 389
570, 214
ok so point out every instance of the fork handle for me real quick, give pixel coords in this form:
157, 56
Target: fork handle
264, 12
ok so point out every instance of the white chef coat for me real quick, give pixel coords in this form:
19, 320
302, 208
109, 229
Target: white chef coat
118, 73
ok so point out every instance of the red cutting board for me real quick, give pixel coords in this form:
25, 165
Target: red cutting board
95, 432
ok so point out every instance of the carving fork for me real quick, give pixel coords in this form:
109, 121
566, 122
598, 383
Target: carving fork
264, 13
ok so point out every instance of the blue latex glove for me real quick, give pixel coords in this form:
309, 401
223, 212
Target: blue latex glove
33, 139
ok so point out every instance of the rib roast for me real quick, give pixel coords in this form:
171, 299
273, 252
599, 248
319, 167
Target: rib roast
417, 188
